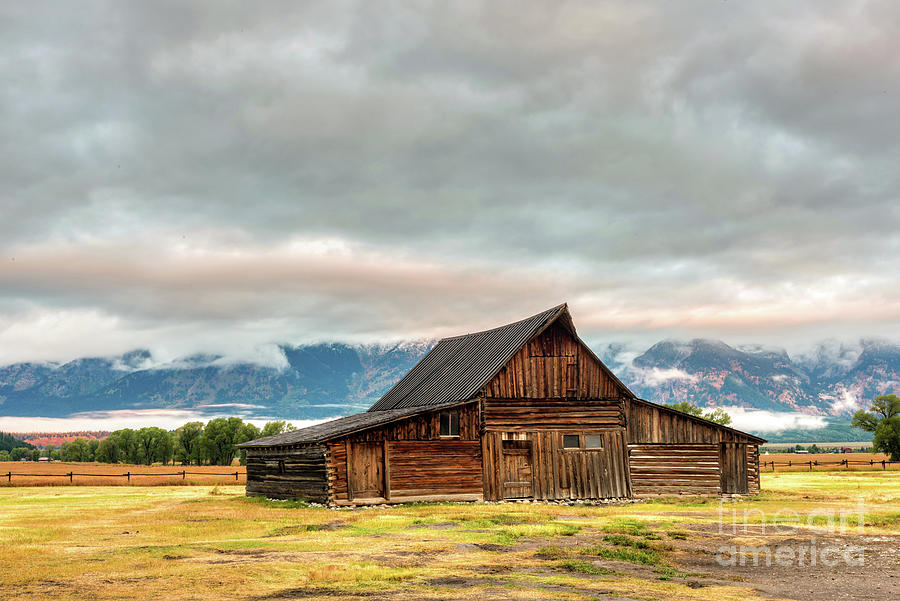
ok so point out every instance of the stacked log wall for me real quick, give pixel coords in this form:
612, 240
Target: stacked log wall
669, 469
289, 472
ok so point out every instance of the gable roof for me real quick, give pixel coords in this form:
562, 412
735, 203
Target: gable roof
458, 367
340, 427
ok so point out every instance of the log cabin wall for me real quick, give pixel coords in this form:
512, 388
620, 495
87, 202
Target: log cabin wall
674, 469
288, 472
418, 463
753, 468
671, 453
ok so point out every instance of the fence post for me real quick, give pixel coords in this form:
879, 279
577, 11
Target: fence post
790, 463
883, 464
70, 477
236, 476
183, 474
9, 477
128, 475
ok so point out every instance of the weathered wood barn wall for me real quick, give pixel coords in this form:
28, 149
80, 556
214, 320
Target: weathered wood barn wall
522, 411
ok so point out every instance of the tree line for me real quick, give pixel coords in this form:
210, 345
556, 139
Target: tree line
191, 444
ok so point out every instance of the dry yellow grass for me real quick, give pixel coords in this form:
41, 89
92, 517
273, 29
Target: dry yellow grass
142, 475
857, 461
180, 543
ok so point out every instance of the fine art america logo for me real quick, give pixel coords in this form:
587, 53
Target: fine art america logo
800, 552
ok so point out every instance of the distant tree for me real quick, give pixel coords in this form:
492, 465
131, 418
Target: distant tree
77, 450
4, 455
716, 415
35, 454
246, 433
93, 445
18, 453
884, 421
108, 451
48, 451
187, 443
276, 427
155, 445
813, 448
218, 440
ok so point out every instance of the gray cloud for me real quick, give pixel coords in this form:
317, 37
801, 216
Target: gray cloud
212, 171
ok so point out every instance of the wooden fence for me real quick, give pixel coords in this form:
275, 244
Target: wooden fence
127, 475
846, 463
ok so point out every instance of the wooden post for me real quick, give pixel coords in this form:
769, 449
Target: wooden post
236, 476
810, 466
70, 476
128, 475
183, 474
387, 472
9, 477
883, 464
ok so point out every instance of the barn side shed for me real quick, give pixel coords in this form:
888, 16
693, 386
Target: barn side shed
526, 410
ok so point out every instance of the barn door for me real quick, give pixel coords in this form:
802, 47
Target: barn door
365, 462
515, 469
733, 468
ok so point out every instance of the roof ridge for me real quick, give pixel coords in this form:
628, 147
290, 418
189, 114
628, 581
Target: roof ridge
554, 309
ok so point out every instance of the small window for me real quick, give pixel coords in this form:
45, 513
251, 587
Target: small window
449, 424
593, 441
571, 441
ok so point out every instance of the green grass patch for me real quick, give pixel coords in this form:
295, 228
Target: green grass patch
582, 567
622, 540
647, 557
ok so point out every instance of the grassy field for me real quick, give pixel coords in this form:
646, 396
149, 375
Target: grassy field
197, 542
142, 475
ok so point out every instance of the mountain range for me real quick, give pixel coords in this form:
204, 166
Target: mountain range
324, 380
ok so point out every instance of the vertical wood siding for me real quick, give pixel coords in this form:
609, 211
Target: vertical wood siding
559, 473
650, 424
294, 472
553, 365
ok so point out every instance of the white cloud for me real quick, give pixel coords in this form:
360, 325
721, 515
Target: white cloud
168, 419
760, 420
656, 376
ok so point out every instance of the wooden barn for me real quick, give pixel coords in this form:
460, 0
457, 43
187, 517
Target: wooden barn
523, 411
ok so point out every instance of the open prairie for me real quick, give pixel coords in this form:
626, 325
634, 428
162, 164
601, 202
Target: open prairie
199, 542
32, 473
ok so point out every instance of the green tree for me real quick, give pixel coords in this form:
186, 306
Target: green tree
884, 422
35, 454
716, 415
246, 433
48, 451
109, 450
219, 438
276, 427
187, 443
4, 455
93, 445
155, 445
18, 453
77, 450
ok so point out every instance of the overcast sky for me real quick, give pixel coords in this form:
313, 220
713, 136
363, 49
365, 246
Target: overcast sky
216, 176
